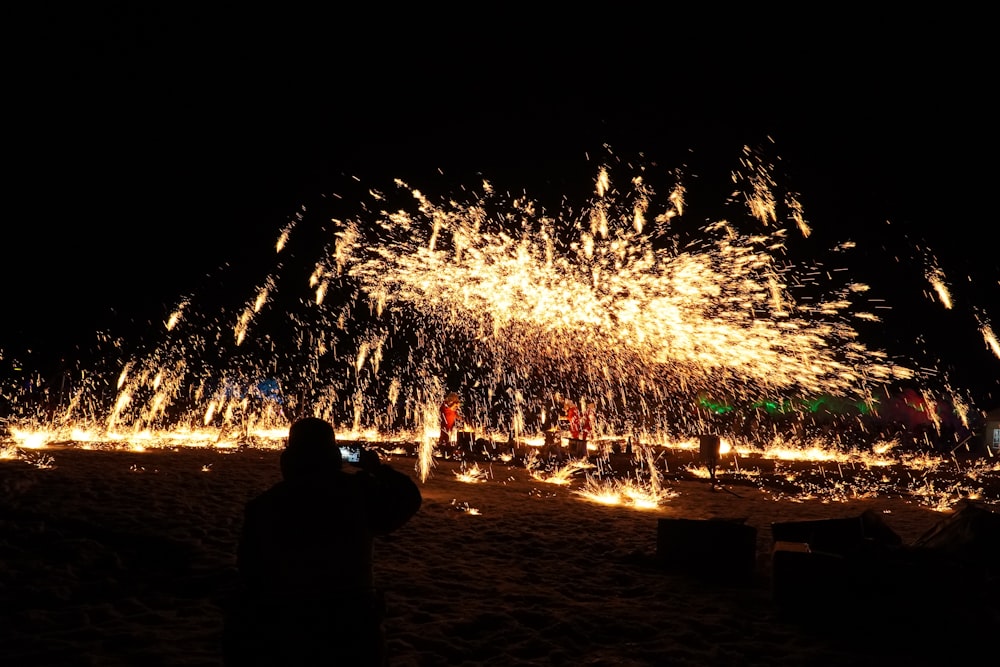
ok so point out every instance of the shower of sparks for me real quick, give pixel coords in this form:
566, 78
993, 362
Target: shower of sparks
666, 328
39, 460
473, 474
608, 312
562, 474
513, 305
635, 494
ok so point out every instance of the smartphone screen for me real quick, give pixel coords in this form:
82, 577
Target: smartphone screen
350, 454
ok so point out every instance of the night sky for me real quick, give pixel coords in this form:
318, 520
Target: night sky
147, 149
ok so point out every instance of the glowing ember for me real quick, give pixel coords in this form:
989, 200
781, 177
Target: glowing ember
937, 281
465, 508
991, 340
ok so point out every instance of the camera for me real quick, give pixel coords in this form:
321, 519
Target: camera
350, 453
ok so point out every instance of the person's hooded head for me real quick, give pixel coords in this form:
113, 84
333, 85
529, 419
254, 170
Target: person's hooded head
311, 450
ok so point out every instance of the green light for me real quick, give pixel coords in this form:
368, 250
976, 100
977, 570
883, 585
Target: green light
717, 408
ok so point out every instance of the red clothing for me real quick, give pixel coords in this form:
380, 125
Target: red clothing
573, 415
449, 415
581, 424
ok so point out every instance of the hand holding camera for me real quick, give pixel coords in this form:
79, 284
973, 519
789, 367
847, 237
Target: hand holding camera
359, 457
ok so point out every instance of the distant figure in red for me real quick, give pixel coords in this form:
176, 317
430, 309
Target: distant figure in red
572, 414
581, 423
449, 417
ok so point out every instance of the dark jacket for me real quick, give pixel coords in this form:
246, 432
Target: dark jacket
305, 558
313, 537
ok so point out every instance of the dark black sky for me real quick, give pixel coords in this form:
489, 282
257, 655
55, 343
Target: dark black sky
149, 147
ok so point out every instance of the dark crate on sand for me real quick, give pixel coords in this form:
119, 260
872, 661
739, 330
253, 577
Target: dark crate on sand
717, 548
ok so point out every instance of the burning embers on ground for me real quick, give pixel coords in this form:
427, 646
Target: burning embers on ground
645, 476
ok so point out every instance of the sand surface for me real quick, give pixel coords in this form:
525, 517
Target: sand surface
127, 558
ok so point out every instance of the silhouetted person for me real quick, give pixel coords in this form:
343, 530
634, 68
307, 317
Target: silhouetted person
305, 557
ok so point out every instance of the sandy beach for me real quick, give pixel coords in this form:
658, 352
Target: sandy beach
127, 558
